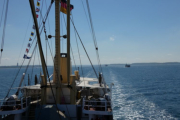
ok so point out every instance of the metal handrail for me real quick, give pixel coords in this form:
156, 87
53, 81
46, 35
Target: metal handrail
88, 103
13, 103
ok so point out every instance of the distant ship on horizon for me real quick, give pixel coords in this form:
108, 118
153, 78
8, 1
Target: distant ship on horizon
127, 65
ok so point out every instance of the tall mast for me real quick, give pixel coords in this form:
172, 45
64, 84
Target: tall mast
57, 80
57, 43
68, 40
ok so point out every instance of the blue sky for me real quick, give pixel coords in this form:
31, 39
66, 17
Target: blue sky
127, 31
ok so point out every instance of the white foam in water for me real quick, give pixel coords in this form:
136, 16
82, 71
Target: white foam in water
139, 108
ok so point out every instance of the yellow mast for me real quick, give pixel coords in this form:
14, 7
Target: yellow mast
56, 78
66, 85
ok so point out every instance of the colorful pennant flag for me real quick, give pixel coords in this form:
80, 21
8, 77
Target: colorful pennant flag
64, 6
37, 9
26, 57
29, 45
30, 39
27, 50
33, 27
37, 15
71, 7
32, 33
38, 4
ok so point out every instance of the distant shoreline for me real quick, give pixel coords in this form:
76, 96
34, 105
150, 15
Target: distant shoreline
153, 63
22, 66
147, 63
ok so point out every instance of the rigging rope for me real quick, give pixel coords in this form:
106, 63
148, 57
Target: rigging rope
49, 26
86, 15
79, 55
44, 20
32, 43
70, 44
95, 42
19, 71
89, 57
39, 60
4, 29
24, 39
93, 33
32, 68
73, 58
84, 48
50, 82
2, 12
46, 38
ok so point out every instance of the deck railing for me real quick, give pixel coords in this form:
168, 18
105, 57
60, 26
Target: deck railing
14, 104
93, 105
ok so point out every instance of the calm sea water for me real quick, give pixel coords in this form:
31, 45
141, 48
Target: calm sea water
148, 91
